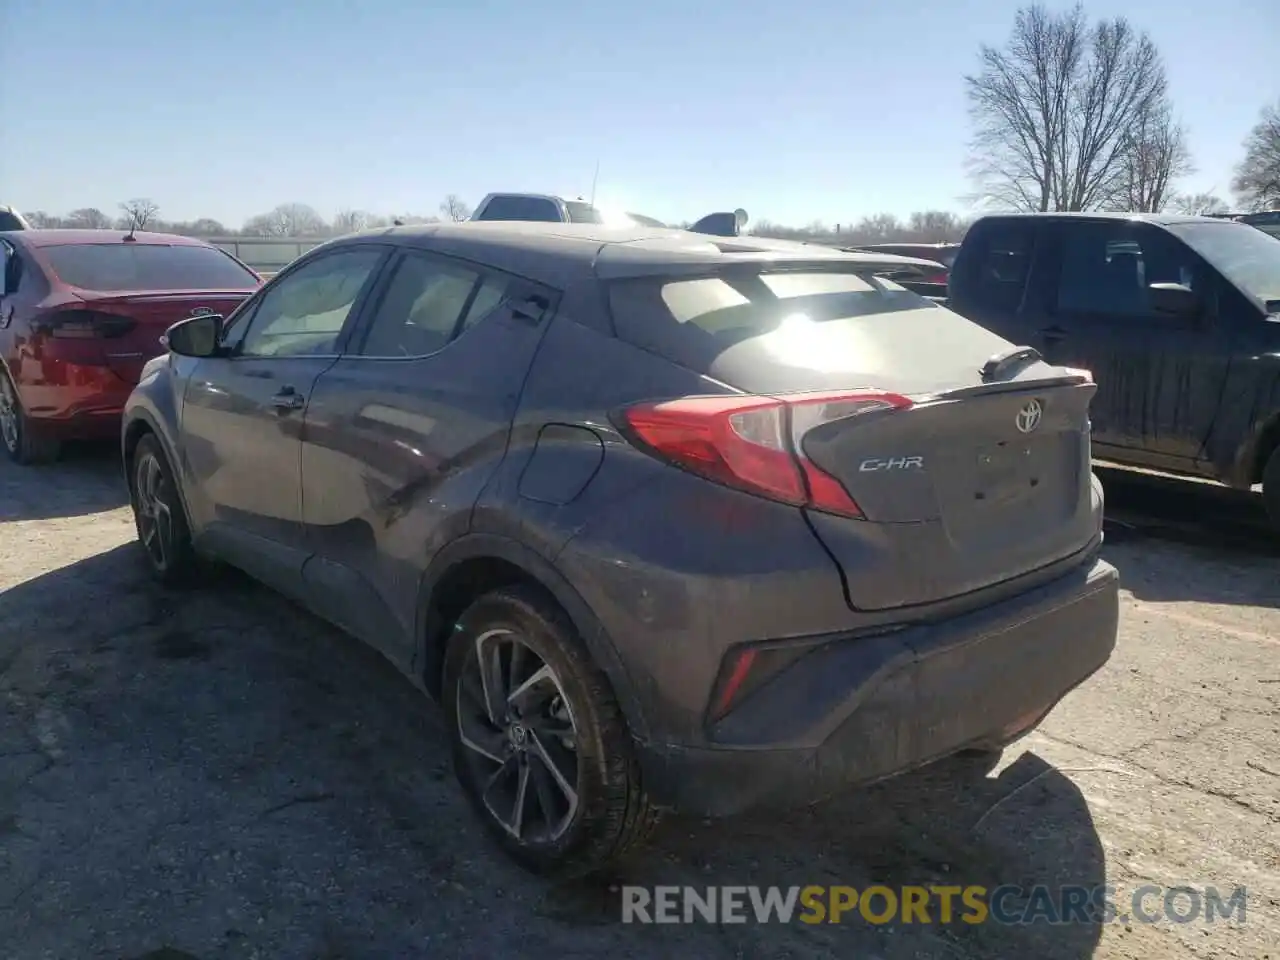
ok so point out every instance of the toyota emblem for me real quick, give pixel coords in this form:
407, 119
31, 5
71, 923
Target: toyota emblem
1029, 416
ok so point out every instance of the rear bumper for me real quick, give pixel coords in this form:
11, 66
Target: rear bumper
859, 709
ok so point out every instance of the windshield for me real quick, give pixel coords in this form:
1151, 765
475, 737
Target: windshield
109, 267
1247, 257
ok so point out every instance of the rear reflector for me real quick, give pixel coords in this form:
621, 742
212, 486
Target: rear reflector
754, 443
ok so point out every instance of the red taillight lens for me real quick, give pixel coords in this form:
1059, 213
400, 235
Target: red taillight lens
754, 443
83, 325
935, 278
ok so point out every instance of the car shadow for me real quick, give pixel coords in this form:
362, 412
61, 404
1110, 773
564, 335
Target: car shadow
263, 774
944, 826
86, 479
1186, 542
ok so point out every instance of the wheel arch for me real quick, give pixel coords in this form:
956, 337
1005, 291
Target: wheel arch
475, 564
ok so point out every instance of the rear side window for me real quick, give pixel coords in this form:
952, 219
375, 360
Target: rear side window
691, 322
108, 267
535, 209
991, 268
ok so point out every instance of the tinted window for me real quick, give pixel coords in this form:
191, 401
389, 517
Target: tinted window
304, 311
537, 209
1107, 268
1247, 257
428, 302
991, 268
9, 221
694, 321
146, 266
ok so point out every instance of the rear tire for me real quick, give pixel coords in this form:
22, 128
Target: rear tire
22, 440
1271, 487
159, 517
558, 751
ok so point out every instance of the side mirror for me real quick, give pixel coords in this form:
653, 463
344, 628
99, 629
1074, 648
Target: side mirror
9, 274
195, 336
1174, 299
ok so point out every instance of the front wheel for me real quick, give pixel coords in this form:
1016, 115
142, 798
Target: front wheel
158, 515
538, 739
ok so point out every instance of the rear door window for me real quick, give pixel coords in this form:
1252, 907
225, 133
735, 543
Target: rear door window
534, 209
992, 266
117, 267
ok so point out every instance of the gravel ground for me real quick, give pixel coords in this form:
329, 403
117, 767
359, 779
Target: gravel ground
220, 775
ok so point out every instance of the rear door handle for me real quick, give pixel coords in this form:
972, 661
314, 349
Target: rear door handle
288, 399
1053, 333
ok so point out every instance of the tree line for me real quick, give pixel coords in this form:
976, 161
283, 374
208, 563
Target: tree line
1069, 114
284, 220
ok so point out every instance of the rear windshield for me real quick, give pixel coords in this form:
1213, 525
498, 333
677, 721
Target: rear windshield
692, 322
146, 266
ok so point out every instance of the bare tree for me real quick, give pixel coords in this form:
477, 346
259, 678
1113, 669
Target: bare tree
1052, 109
454, 209
1155, 157
1257, 179
88, 218
352, 221
1198, 204
42, 221
287, 220
139, 212
935, 226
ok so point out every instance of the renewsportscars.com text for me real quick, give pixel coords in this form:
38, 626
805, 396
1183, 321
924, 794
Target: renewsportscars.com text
878, 905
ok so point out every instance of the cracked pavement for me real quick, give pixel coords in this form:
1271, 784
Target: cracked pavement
220, 775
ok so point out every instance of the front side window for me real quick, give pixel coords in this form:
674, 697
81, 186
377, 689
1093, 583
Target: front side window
133, 266
304, 311
428, 302
1247, 256
1108, 268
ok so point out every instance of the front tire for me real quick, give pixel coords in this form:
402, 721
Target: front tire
22, 442
539, 742
158, 516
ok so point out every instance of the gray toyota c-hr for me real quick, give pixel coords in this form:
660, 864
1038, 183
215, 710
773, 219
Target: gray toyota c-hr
663, 521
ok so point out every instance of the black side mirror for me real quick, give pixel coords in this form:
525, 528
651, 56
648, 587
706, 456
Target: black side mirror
9, 275
195, 336
1174, 299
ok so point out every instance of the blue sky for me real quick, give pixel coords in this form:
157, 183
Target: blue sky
831, 109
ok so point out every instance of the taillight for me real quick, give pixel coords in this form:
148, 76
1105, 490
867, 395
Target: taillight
935, 278
83, 325
754, 443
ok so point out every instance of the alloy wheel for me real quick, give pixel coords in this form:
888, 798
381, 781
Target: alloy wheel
520, 736
8, 415
155, 518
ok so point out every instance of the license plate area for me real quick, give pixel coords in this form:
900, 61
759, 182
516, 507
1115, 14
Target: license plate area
1003, 473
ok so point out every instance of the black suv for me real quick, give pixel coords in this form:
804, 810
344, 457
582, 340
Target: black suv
1178, 318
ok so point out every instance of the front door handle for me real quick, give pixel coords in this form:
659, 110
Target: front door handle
1053, 333
288, 399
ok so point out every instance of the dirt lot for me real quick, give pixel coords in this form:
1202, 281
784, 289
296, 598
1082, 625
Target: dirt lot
222, 776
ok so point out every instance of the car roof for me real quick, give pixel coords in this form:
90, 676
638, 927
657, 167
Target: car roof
562, 253
61, 237
1159, 219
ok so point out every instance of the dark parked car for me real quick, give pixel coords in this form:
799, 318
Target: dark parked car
943, 254
661, 523
1177, 317
80, 312
545, 208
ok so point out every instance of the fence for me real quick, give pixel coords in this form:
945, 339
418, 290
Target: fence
267, 255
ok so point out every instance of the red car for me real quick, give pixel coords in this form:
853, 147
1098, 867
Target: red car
81, 312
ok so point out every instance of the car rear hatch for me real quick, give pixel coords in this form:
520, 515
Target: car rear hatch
960, 490
125, 328
926, 476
